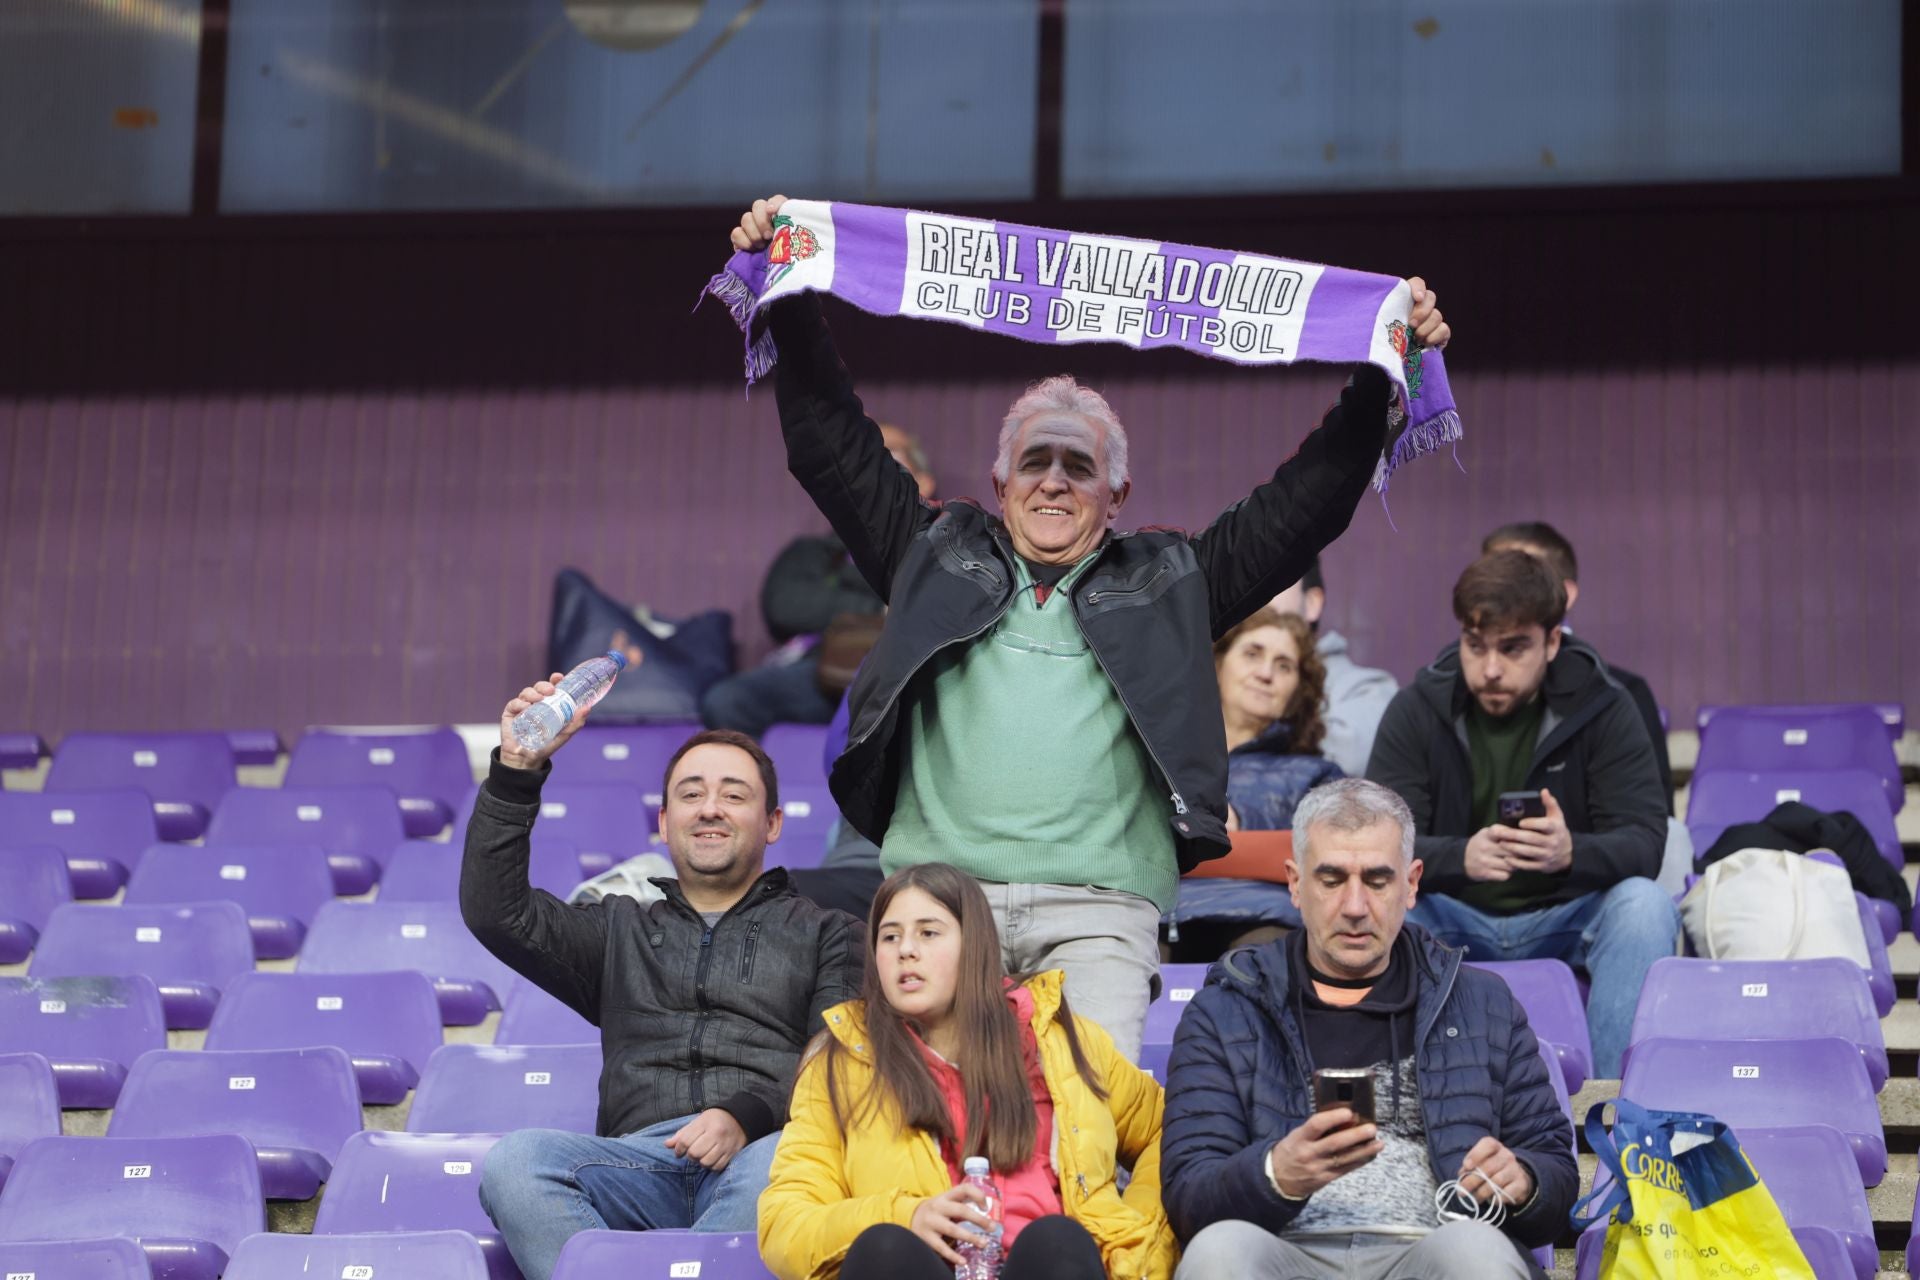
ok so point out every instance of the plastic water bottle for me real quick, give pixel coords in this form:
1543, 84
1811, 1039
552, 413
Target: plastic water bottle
980, 1259
583, 686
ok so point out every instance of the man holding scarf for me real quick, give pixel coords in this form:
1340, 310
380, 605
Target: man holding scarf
1041, 709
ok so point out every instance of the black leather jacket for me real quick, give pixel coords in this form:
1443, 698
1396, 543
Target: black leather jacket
1150, 607
689, 1018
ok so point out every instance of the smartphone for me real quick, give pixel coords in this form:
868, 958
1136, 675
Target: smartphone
1515, 805
1350, 1087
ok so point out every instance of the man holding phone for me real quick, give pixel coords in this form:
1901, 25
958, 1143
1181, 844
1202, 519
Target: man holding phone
1351, 1100
1537, 801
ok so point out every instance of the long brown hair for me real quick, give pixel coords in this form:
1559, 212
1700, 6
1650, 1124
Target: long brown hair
1001, 1122
1306, 728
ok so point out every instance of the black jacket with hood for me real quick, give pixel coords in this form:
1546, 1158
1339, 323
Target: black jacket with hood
1150, 607
1593, 754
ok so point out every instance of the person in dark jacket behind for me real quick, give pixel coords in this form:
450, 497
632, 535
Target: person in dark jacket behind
811, 583
1469, 1158
1041, 709
1517, 706
1538, 538
704, 1000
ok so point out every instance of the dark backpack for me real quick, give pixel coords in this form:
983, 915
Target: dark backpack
676, 671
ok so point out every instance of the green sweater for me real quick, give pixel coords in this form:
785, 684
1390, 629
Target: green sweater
1022, 765
1501, 750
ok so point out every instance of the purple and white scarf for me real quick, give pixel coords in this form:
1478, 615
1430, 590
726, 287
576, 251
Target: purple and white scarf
1062, 286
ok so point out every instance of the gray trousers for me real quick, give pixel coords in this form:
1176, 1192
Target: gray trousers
1458, 1251
1106, 941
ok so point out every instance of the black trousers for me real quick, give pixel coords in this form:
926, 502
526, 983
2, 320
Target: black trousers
1051, 1248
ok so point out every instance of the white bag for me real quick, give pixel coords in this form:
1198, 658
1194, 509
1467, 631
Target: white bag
1768, 904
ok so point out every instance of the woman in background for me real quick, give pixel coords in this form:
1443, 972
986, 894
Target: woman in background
1272, 692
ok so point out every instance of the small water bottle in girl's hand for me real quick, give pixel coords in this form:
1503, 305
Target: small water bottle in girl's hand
980, 1259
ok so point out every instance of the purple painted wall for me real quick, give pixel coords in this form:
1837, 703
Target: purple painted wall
195, 561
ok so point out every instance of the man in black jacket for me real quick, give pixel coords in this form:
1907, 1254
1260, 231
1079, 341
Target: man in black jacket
1041, 709
811, 583
1516, 706
704, 1000
1538, 538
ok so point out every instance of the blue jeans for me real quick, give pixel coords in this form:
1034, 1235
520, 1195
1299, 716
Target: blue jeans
541, 1186
1615, 936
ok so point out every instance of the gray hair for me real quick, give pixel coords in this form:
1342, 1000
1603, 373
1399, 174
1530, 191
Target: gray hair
1351, 804
1061, 394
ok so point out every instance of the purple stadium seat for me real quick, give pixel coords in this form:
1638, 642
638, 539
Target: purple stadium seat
192, 951
428, 769
428, 937
1551, 1058
654, 1255
798, 753
388, 1024
102, 833
1892, 714
1765, 1084
184, 773
296, 1106
633, 755
188, 1201
1815, 739
357, 826
1718, 800
414, 1182
1809, 1172
1694, 999
1178, 982
33, 881
476, 1088
1550, 994
532, 1016
607, 819
21, 750
255, 746
29, 1105
429, 1255
279, 889
808, 813
1879, 964
112, 1258
90, 1029
429, 870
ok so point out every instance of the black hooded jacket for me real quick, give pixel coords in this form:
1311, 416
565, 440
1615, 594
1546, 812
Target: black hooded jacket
1593, 754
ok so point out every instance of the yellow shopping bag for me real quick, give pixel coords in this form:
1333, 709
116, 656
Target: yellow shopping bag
1683, 1202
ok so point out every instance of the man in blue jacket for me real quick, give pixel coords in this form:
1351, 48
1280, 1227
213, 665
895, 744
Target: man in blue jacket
1468, 1158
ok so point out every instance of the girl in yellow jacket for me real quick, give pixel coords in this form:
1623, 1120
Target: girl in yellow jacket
946, 1058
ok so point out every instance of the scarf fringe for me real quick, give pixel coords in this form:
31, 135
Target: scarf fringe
1417, 441
739, 300
733, 294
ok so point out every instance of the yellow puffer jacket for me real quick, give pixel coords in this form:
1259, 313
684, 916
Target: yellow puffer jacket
828, 1185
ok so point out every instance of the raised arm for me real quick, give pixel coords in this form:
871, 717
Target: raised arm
559, 947
1261, 545
834, 449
